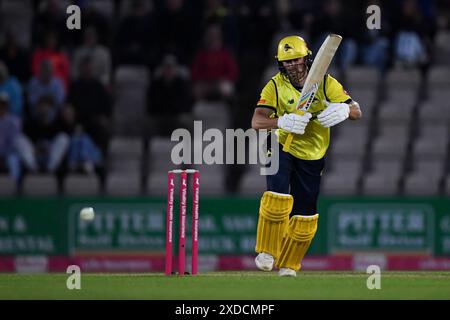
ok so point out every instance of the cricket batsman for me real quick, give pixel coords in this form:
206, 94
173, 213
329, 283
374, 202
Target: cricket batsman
288, 215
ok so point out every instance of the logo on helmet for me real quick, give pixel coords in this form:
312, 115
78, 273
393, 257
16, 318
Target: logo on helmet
287, 47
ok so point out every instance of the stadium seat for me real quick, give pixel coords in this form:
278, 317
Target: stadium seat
126, 165
396, 112
252, 182
212, 114
124, 168
350, 129
439, 76
392, 141
361, 77
439, 94
339, 183
421, 183
347, 165
40, 185
433, 168
132, 75
18, 15
442, 47
105, 7
435, 131
432, 142
125, 146
158, 163
129, 110
425, 177
7, 186
384, 177
341, 175
159, 153
366, 98
345, 145
403, 95
447, 185
123, 184
157, 183
434, 111
81, 185
380, 184
399, 78
212, 179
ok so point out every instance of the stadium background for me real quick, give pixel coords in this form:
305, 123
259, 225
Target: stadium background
386, 186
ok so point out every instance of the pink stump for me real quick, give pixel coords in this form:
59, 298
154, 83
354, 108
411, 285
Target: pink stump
195, 205
169, 221
182, 242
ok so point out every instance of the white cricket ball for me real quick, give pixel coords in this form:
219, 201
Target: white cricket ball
87, 214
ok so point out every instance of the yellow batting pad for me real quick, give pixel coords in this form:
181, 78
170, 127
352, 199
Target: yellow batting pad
273, 219
299, 236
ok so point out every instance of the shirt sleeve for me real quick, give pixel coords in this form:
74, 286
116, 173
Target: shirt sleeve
268, 97
334, 91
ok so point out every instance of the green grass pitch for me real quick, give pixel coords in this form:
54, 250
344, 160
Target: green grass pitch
228, 285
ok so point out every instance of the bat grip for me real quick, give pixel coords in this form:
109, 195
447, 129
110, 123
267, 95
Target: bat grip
290, 137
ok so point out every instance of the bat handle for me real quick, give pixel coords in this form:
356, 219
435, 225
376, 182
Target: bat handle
287, 143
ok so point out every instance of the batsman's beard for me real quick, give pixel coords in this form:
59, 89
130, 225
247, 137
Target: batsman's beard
297, 74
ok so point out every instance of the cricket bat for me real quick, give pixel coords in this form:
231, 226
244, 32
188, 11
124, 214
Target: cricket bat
315, 76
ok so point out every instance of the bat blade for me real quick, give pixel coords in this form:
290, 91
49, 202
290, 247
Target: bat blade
318, 70
315, 76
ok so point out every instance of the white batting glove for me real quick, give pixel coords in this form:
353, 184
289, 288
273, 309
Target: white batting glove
334, 113
294, 123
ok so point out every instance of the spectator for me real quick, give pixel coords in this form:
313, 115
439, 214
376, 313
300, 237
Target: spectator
214, 71
136, 36
217, 12
13, 88
333, 19
168, 111
10, 130
99, 55
50, 17
46, 144
92, 105
301, 15
92, 18
59, 60
83, 155
45, 84
413, 39
258, 23
177, 28
375, 44
16, 58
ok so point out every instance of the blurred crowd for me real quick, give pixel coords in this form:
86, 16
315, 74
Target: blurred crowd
57, 93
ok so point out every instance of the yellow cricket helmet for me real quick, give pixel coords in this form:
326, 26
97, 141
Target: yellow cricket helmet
292, 47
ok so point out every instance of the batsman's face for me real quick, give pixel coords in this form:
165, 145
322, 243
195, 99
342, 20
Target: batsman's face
296, 71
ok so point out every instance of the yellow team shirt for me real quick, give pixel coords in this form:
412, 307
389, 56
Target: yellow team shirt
281, 95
